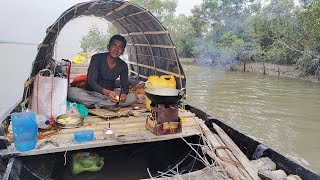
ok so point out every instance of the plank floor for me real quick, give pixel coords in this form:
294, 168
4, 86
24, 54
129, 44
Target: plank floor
128, 130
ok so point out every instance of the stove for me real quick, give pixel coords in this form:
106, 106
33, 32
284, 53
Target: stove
164, 119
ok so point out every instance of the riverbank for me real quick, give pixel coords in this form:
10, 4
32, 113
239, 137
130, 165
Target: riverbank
269, 69
275, 70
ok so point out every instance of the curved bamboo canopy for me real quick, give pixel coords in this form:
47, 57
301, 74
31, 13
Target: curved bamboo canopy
150, 49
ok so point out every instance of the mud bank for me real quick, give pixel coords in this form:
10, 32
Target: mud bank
275, 70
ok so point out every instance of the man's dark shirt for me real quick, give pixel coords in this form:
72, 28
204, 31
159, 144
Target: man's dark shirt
100, 76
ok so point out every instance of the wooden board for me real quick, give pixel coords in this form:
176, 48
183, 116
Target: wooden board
128, 130
107, 114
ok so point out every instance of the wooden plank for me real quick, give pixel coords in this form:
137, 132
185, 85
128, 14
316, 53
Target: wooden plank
241, 169
219, 154
128, 130
248, 166
127, 139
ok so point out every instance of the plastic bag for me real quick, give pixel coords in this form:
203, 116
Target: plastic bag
72, 109
77, 108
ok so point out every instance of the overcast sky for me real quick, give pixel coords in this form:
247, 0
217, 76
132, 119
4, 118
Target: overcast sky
26, 21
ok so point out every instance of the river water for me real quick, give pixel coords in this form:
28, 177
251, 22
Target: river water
280, 112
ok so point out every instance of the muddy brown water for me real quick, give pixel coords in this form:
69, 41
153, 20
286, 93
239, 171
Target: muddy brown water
282, 113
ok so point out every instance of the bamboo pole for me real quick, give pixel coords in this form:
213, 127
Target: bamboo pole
240, 168
231, 169
248, 166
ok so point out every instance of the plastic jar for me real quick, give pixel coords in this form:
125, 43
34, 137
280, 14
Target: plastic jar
25, 130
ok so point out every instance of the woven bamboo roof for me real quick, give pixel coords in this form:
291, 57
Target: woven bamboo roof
150, 49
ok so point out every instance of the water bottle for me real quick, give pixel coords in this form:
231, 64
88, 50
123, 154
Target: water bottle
42, 121
25, 130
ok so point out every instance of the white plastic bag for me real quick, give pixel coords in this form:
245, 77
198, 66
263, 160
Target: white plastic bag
49, 95
72, 109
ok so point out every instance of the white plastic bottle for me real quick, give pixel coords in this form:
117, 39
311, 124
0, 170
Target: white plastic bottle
42, 121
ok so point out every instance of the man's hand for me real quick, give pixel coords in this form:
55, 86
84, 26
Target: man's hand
123, 98
110, 94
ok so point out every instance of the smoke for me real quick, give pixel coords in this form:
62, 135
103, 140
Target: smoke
218, 58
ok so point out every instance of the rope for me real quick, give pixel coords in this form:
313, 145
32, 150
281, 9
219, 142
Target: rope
37, 79
51, 95
65, 155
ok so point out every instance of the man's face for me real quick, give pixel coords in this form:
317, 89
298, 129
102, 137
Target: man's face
116, 48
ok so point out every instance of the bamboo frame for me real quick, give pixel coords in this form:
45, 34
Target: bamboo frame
157, 69
144, 33
152, 45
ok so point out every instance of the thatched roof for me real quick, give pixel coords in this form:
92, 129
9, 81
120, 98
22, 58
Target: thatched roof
150, 49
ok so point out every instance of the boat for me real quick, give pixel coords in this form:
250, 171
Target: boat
205, 148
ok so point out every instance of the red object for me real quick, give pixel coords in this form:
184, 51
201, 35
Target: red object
79, 81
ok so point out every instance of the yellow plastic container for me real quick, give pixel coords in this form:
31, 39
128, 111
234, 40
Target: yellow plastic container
164, 81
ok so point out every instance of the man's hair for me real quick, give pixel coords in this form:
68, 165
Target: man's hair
119, 38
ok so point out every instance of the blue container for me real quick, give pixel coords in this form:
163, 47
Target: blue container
25, 130
84, 135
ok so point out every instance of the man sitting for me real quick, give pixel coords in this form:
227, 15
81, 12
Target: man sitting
103, 71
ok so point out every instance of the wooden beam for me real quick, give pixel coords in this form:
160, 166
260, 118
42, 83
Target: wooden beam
220, 154
91, 6
248, 166
118, 9
152, 45
145, 55
143, 33
127, 139
145, 77
156, 69
129, 15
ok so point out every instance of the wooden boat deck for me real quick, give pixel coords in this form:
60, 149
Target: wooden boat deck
128, 130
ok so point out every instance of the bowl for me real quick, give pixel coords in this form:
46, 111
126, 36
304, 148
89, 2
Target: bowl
69, 121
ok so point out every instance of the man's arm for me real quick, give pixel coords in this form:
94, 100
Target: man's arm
124, 79
92, 74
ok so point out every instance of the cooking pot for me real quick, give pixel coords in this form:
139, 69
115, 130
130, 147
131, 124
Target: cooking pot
165, 96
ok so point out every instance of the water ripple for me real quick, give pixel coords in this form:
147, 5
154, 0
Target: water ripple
280, 112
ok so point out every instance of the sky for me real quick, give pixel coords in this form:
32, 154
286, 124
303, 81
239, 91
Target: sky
26, 21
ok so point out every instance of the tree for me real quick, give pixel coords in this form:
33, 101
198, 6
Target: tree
94, 41
162, 9
222, 30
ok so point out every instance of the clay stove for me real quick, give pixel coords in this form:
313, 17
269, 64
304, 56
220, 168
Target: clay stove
164, 119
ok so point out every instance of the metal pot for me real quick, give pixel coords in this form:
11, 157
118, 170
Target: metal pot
165, 96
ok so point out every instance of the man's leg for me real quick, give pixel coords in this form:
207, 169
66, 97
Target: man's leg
131, 99
88, 98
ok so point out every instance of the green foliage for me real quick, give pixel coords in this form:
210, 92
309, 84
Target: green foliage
94, 41
227, 31
162, 9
